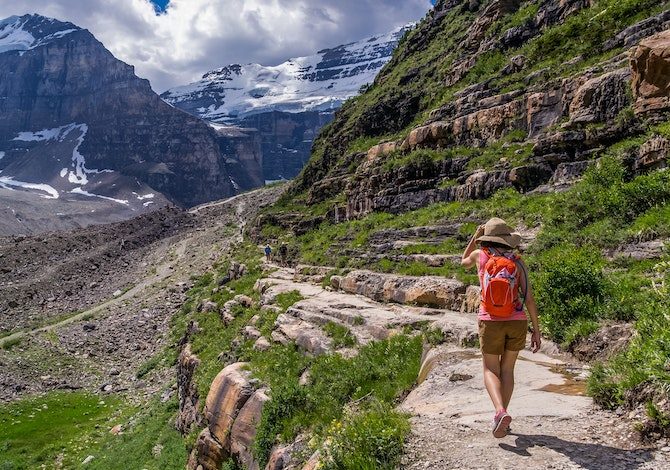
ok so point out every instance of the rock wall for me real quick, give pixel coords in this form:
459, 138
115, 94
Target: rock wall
651, 74
566, 121
286, 140
430, 291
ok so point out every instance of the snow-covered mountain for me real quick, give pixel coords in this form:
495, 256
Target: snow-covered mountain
319, 82
22, 33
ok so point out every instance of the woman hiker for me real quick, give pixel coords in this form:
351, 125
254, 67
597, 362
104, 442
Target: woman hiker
502, 322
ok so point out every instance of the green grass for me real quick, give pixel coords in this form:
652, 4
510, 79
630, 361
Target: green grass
268, 318
149, 441
368, 439
382, 370
340, 334
60, 426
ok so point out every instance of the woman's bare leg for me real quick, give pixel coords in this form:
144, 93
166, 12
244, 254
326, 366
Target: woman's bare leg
492, 380
507, 363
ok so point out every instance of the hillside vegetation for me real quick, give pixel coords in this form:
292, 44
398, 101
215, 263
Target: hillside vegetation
585, 231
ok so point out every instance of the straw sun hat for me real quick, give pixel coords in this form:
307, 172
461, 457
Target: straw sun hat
497, 231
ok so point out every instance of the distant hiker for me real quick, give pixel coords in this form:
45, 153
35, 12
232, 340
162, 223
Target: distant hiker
283, 254
268, 252
502, 322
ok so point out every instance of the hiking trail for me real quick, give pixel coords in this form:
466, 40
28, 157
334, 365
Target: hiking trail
555, 426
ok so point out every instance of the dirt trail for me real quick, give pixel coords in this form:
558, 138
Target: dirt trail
555, 425
103, 346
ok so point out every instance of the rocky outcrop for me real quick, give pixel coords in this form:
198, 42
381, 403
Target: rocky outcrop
229, 392
630, 36
600, 99
189, 400
286, 140
243, 431
429, 291
241, 147
651, 74
653, 154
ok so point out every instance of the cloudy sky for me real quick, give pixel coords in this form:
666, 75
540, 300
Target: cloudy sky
174, 43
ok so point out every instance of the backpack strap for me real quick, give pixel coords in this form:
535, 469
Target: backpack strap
518, 262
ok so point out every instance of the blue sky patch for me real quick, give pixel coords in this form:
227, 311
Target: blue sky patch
160, 5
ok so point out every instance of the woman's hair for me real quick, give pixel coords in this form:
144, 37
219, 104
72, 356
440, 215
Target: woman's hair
499, 246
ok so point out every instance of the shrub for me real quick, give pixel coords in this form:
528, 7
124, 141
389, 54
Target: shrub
370, 439
570, 286
645, 361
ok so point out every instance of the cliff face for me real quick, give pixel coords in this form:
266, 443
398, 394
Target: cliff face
488, 95
286, 140
64, 81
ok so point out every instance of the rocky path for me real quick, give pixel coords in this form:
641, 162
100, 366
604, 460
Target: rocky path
555, 425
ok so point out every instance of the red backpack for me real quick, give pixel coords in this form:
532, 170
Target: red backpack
500, 284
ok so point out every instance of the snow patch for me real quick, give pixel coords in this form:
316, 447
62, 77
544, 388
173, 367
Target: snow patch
79, 172
81, 192
148, 203
14, 34
8, 182
146, 196
2, 154
13, 37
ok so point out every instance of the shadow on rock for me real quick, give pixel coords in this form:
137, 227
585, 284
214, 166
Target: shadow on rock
586, 455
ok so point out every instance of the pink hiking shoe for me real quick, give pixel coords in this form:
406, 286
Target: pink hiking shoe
501, 423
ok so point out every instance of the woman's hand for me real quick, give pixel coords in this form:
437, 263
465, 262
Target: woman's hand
480, 231
535, 341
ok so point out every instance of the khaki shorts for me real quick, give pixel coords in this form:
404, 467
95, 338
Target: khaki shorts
497, 336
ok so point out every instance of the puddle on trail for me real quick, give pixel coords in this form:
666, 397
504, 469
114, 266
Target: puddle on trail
571, 386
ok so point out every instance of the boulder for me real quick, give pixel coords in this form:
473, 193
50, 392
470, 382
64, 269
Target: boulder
262, 344
471, 299
280, 458
251, 332
653, 154
600, 99
380, 150
189, 400
244, 300
207, 454
431, 291
243, 431
208, 306
650, 63
227, 394
429, 136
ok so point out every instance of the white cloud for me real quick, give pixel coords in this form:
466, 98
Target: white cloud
194, 36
